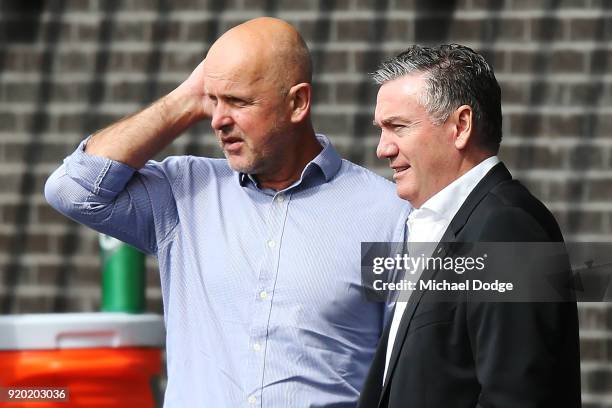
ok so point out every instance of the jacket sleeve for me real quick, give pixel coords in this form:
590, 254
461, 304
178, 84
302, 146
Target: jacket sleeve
136, 207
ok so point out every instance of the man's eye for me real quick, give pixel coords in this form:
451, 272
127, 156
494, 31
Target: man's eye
238, 102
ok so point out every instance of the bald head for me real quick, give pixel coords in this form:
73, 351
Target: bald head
256, 78
264, 48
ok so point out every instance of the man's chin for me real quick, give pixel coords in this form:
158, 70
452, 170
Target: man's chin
403, 194
241, 166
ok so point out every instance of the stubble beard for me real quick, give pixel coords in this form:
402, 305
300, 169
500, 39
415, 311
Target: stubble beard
262, 161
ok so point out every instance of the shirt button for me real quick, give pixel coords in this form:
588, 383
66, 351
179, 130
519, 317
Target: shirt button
280, 198
271, 243
257, 347
263, 294
252, 400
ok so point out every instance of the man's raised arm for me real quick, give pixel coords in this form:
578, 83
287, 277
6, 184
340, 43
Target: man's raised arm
96, 185
136, 138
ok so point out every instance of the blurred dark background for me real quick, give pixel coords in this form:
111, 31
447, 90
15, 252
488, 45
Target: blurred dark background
68, 68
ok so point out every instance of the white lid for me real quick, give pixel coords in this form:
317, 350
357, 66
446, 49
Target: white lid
80, 330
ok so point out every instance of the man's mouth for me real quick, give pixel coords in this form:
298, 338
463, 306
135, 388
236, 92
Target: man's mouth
231, 144
399, 171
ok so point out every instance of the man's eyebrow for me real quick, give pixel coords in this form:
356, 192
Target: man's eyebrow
226, 96
388, 121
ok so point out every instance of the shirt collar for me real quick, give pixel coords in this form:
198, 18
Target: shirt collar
327, 163
447, 201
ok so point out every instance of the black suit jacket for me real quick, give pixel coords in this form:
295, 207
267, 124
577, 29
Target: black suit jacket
483, 354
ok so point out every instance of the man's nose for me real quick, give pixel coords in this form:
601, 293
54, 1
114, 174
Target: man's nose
221, 117
386, 147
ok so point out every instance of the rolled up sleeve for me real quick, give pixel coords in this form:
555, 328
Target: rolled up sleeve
114, 198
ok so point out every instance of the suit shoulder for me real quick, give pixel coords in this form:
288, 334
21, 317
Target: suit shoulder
511, 213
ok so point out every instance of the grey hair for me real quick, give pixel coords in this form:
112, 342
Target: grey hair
454, 75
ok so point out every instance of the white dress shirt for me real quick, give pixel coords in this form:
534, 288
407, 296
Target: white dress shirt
428, 223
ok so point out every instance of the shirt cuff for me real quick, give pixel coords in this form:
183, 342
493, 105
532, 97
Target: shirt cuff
99, 175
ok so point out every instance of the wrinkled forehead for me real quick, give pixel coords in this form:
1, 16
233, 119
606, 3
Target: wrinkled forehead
389, 101
233, 69
399, 94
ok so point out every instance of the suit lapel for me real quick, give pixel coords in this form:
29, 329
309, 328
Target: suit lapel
496, 175
413, 302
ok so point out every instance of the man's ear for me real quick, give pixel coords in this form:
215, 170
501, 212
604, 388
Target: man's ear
299, 99
462, 122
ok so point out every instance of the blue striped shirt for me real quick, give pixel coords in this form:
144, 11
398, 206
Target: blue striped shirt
261, 288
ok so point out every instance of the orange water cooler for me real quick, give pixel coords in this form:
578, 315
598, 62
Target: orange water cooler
90, 359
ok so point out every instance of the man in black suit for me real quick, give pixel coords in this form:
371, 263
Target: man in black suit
439, 111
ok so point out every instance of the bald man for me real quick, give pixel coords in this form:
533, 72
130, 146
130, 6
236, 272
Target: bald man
259, 253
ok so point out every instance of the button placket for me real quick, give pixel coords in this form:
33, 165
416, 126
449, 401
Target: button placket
262, 306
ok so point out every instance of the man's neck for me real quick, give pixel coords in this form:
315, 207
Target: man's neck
303, 153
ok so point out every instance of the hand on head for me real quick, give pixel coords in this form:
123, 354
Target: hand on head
194, 87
